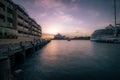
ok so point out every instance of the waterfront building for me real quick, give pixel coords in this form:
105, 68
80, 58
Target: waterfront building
16, 25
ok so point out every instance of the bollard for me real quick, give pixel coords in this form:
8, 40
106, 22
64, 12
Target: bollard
23, 49
5, 72
18, 74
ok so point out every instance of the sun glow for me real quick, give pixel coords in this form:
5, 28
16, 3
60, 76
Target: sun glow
53, 31
53, 28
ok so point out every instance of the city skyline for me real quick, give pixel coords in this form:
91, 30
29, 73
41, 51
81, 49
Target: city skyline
75, 17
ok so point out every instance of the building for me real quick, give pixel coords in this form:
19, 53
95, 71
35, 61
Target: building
59, 36
16, 25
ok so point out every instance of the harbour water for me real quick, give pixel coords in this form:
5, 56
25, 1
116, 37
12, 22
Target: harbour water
74, 60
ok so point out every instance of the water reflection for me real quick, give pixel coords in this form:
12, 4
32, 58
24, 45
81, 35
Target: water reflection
75, 60
50, 54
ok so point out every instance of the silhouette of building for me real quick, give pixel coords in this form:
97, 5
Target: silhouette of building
59, 36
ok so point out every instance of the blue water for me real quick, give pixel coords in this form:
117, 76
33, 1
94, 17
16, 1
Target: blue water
74, 60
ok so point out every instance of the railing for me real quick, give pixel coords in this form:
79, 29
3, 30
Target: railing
10, 49
20, 20
10, 15
20, 28
6, 32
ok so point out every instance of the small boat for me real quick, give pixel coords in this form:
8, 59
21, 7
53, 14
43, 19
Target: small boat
69, 39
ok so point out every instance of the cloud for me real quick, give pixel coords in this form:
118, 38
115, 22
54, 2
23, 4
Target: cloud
56, 4
67, 18
73, 1
48, 3
43, 14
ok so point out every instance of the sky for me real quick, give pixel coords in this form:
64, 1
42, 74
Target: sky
73, 17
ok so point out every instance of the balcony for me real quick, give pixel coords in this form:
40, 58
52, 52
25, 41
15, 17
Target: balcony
20, 28
19, 20
34, 29
25, 17
10, 15
26, 24
10, 5
26, 29
39, 31
7, 33
2, 9
10, 24
20, 13
2, 13
2, 1
2, 21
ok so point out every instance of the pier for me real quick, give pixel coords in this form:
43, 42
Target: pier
11, 55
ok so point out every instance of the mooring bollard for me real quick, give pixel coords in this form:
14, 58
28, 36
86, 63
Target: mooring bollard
18, 74
5, 72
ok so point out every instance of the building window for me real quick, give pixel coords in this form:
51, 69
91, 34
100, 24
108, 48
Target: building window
9, 14
9, 24
1, 8
20, 19
2, 19
10, 5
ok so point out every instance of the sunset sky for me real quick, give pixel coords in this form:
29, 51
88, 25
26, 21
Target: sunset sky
77, 17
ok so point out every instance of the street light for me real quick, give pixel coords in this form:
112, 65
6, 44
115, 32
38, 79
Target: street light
115, 34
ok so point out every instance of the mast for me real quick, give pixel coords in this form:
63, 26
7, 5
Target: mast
115, 34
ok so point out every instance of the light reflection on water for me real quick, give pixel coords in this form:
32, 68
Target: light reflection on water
72, 60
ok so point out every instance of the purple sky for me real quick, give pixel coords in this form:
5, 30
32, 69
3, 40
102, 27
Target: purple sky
75, 17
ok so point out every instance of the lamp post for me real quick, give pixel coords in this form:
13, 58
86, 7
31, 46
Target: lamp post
115, 34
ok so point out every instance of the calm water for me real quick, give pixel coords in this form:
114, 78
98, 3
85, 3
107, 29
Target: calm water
74, 60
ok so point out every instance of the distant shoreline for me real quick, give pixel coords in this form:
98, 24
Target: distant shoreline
71, 39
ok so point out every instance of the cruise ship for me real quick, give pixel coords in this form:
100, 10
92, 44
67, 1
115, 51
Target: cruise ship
107, 35
16, 25
111, 34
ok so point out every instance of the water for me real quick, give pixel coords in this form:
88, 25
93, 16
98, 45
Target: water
74, 60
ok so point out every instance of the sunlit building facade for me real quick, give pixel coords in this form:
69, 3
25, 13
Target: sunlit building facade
16, 25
